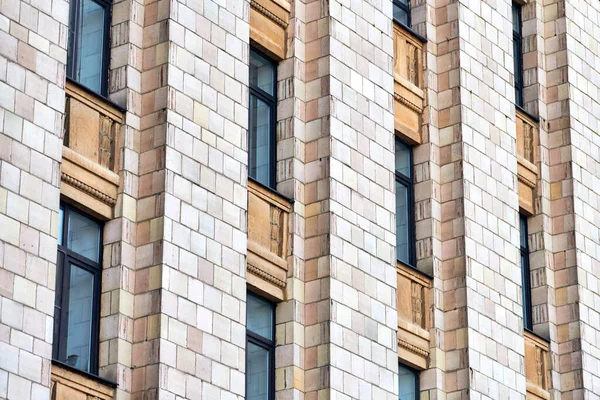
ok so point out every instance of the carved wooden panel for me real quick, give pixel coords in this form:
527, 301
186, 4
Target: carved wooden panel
527, 140
66, 384
536, 367
413, 301
90, 155
268, 25
408, 76
268, 215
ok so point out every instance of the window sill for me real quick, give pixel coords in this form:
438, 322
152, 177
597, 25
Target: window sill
535, 118
535, 335
411, 31
271, 190
86, 375
96, 94
413, 267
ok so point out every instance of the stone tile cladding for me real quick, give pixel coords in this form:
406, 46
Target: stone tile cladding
445, 133
290, 354
492, 313
202, 335
540, 92
315, 250
360, 269
430, 20
567, 374
123, 234
33, 37
582, 20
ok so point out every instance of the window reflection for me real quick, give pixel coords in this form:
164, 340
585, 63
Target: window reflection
408, 383
87, 43
81, 288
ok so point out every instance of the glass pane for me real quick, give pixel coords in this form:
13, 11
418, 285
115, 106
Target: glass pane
58, 298
84, 236
402, 235
518, 71
407, 383
260, 141
523, 230
89, 46
402, 158
262, 73
257, 373
400, 15
259, 316
61, 217
516, 18
79, 318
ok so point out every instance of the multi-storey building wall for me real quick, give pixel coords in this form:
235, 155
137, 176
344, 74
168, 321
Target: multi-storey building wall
32, 82
299, 199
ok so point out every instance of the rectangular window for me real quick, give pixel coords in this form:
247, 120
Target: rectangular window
87, 54
408, 383
525, 274
260, 351
518, 53
262, 113
405, 229
77, 297
402, 12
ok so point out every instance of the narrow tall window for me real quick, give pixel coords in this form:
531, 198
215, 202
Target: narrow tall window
518, 53
77, 297
525, 275
87, 55
402, 12
405, 229
260, 351
263, 106
408, 383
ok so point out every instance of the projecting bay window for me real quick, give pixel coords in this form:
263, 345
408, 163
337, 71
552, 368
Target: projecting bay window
408, 383
77, 297
260, 349
405, 221
518, 53
402, 12
525, 274
87, 54
262, 111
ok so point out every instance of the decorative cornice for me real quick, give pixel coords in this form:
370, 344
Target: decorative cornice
84, 187
408, 103
267, 13
266, 276
412, 348
526, 181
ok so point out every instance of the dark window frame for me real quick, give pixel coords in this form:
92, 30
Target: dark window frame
65, 257
518, 63
266, 344
75, 35
525, 274
406, 9
271, 101
408, 182
416, 374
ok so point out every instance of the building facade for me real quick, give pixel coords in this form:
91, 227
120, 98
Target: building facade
299, 199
